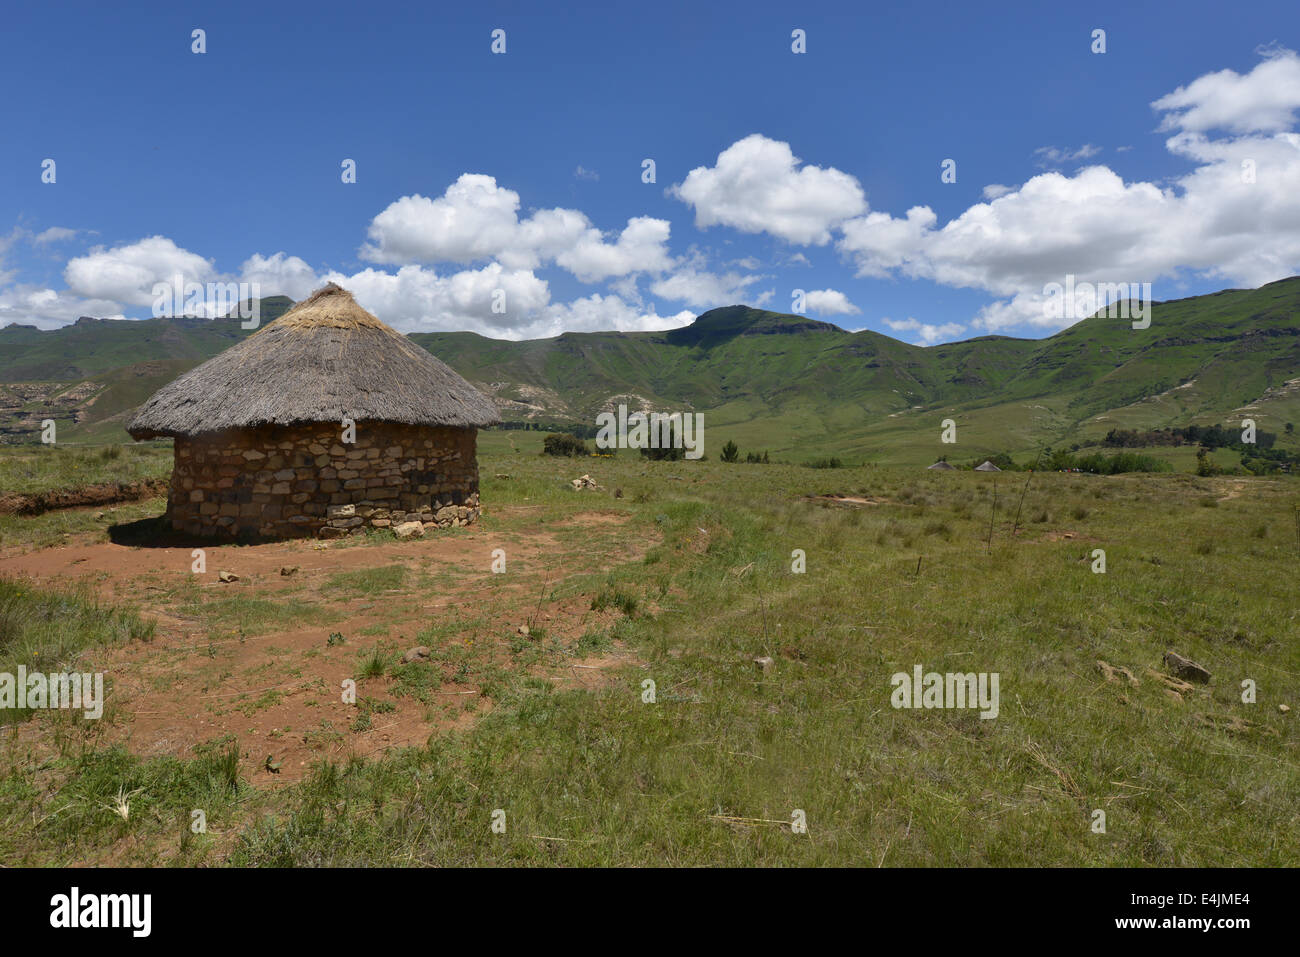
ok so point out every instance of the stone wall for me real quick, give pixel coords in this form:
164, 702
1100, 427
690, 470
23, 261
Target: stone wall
283, 482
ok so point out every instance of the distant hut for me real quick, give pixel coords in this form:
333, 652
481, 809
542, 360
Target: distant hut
987, 466
942, 466
262, 444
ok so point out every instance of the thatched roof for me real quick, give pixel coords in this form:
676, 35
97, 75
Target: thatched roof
987, 466
942, 466
324, 359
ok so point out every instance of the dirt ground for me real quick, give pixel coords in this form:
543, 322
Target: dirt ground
277, 690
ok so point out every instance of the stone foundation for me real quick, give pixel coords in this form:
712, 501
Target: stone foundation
291, 482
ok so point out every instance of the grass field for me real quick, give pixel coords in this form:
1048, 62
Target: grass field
224, 698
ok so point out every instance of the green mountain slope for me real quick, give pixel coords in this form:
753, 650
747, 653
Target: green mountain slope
769, 380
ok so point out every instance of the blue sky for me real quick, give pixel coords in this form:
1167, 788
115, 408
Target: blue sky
522, 172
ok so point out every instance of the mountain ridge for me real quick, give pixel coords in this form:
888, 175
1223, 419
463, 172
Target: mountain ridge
774, 380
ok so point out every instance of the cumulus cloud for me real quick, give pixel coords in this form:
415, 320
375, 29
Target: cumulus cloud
758, 186
46, 308
1214, 220
280, 275
1265, 99
476, 219
641, 247
702, 289
994, 190
417, 299
927, 334
829, 302
127, 274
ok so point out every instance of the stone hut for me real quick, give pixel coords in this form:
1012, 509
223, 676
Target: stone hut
324, 421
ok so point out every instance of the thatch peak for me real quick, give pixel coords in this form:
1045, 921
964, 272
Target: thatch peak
325, 359
331, 306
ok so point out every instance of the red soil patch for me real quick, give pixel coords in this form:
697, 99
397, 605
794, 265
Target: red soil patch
279, 694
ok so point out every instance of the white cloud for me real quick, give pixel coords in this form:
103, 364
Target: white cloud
47, 309
55, 234
1264, 100
829, 302
1099, 228
476, 220
588, 174
1054, 156
596, 313
280, 275
127, 274
416, 299
641, 247
994, 190
927, 334
880, 243
702, 289
758, 186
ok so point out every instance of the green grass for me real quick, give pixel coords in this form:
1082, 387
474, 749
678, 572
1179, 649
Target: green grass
624, 782
41, 468
366, 581
47, 631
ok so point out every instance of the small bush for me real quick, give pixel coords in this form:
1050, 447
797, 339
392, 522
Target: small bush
562, 443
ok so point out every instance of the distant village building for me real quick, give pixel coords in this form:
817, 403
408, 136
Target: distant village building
987, 466
263, 446
942, 466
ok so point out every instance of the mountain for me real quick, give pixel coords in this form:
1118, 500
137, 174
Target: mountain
769, 380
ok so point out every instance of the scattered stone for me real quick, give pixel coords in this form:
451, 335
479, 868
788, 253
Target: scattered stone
99, 515
525, 630
1172, 686
415, 654
409, 530
1185, 668
502, 475
287, 570
764, 663
227, 577
1284, 708
585, 481
1116, 673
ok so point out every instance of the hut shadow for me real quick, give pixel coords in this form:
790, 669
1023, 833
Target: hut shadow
157, 532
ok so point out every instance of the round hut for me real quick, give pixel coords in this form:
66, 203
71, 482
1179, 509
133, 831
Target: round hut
324, 421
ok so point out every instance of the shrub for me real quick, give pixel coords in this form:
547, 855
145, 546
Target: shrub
562, 443
730, 451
